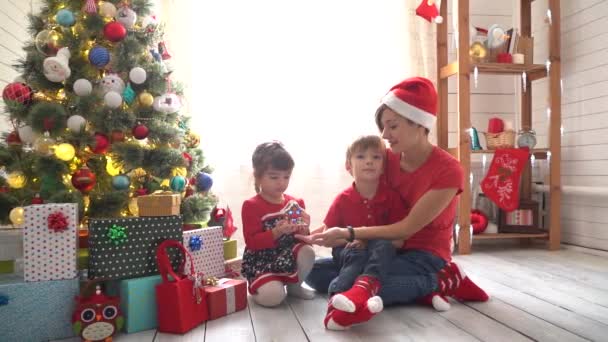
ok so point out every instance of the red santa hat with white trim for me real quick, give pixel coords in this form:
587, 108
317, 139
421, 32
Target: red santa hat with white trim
415, 99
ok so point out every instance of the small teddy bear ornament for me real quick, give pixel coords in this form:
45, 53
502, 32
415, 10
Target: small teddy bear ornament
56, 68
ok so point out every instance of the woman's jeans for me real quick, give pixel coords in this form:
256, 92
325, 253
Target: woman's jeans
412, 274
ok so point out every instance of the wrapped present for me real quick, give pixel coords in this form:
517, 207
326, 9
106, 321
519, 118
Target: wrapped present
233, 267
36, 311
7, 266
50, 241
83, 258
207, 249
11, 243
229, 249
83, 238
122, 248
137, 301
159, 204
228, 296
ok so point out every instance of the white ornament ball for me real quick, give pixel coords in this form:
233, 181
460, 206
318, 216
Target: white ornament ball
107, 9
137, 75
149, 21
126, 16
76, 123
167, 103
112, 99
26, 134
82, 87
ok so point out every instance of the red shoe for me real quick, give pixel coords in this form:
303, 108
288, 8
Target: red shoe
364, 288
436, 300
340, 320
453, 282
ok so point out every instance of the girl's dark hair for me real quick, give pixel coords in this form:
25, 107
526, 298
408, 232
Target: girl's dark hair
270, 155
378, 118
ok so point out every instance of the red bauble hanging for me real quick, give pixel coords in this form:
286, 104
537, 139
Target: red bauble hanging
141, 192
114, 31
17, 93
84, 179
101, 145
37, 199
187, 158
189, 191
118, 136
140, 132
13, 139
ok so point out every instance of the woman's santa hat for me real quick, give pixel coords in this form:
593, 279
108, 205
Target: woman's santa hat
429, 10
415, 99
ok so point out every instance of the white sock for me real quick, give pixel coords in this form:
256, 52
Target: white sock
305, 261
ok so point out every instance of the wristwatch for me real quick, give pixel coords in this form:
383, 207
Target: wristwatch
351, 234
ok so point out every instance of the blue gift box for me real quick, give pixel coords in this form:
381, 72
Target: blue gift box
137, 302
36, 311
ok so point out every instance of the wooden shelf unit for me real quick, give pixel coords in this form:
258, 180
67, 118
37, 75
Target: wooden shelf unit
462, 68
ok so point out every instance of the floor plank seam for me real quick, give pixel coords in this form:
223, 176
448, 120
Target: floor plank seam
298, 320
493, 319
251, 319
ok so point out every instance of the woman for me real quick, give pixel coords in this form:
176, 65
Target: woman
428, 180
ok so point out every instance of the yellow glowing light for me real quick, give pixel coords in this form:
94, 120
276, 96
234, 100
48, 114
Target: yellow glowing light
60, 94
16, 216
112, 168
179, 171
165, 183
65, 152
16, 180
133, 207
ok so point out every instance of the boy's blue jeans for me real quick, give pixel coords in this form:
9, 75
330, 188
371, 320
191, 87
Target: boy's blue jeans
411, 274
374, 260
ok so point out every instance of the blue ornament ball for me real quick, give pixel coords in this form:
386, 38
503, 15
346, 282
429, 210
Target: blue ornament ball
121, 182
203, 181
99, 56
178, 183
65, 18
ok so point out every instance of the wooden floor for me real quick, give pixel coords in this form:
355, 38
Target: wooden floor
537, 295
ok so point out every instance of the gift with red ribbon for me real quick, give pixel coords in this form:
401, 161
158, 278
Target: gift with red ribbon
228, 296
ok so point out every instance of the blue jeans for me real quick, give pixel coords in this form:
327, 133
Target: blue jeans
412, 274
374, 261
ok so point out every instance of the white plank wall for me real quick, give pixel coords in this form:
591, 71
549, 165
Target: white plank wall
13, 35
584, 113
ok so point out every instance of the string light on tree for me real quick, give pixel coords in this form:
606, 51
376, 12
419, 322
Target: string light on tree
16, 180
65, 152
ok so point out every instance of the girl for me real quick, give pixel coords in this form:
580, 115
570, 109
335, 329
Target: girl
273, 257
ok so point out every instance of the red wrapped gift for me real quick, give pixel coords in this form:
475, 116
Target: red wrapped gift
228, 296
83, 238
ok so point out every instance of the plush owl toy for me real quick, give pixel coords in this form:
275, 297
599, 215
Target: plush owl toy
56, 68
98, 317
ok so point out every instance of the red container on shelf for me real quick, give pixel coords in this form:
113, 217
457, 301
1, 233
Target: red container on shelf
504, 58
496, 125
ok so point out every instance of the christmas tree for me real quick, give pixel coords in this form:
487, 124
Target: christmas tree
96, 118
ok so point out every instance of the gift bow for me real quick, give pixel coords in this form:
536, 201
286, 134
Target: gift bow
212, 281
117, 234
195, 243
57, 222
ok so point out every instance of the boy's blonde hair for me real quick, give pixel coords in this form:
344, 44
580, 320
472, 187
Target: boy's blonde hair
363, 143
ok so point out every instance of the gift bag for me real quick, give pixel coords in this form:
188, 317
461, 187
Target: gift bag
206, 246
181, 302
50, 241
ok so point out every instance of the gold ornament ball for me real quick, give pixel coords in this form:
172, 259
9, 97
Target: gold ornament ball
16, 180
65, 152
112, 168
44, 145
192, 140
133, 207
478, 51
146, 99
16, 216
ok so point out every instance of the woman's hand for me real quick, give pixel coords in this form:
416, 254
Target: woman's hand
329, 238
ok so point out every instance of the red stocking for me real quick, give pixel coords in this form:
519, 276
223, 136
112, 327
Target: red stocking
429, 10
501, 184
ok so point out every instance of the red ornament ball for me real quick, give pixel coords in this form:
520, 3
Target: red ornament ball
141, 192
84, 179
114, 31
102, 143
140, 132
13, 139
17, 93
37, 199
479, 221
187, 158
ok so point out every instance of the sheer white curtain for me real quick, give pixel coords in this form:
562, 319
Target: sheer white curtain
307, 73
